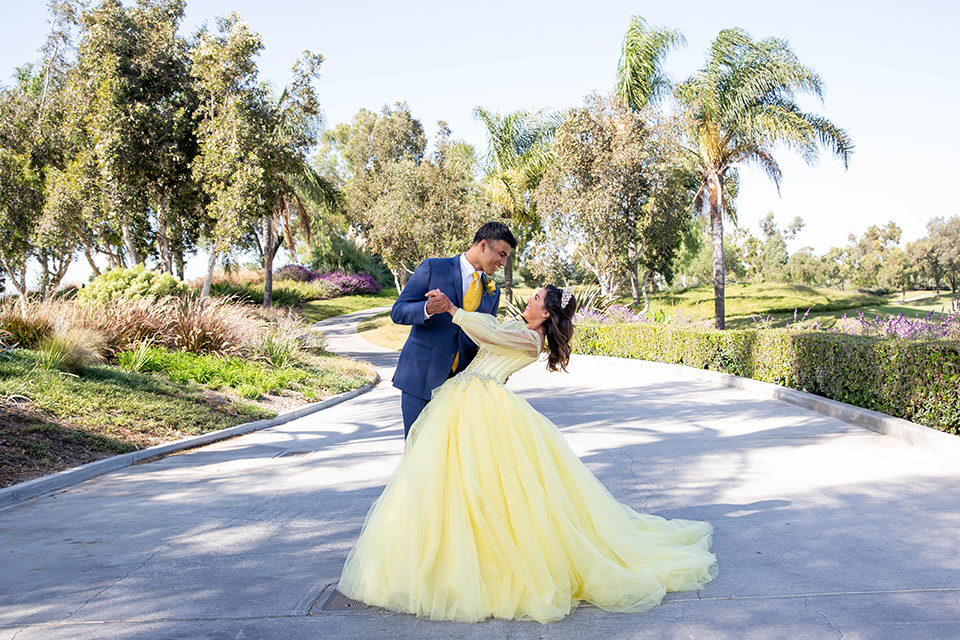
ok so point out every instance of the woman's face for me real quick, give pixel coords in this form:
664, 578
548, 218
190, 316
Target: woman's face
535, 310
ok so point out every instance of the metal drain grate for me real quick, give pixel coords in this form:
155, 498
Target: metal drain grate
294, 453
339, 602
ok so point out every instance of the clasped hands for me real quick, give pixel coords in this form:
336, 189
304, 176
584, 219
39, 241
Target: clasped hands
438, 302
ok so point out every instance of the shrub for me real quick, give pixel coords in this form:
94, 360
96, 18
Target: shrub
917, 380
345, 255
351, 283
131, 284
137, 359
295, 272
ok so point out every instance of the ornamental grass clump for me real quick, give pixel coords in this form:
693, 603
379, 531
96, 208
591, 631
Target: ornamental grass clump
213, 325
27, 325
71, 351
123, 323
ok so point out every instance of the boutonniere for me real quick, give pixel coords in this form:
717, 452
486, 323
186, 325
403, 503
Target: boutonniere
491, 286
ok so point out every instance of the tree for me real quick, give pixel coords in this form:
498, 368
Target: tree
896, 272
405, 204
773, 253
737, 108
21, 200
945, 238
641, 82
867, 254
925, 259
295, 120
518, 155
128, 115
618, 177
232, 115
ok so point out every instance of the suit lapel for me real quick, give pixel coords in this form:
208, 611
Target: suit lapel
457, 280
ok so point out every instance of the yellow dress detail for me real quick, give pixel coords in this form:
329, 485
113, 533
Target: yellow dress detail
490, 513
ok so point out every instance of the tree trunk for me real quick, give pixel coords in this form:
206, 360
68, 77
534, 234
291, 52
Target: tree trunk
163, 238
268, 252
508, 278
128, 243
179, 262
632, 258
719, 270
399, 279
20, 284
88, 253
208, 278
646, 298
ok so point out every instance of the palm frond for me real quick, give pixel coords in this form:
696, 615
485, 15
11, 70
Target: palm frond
640, 76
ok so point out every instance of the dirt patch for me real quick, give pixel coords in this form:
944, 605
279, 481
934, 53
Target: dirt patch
34, 443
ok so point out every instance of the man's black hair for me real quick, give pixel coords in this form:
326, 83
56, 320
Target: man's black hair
495, 231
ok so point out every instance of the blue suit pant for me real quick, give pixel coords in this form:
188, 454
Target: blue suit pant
410, 406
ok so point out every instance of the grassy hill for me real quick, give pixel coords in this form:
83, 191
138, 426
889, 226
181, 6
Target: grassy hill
778, 303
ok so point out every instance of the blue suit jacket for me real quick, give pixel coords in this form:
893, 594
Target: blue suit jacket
427, 356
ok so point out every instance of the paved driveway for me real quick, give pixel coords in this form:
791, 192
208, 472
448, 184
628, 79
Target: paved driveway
823, 529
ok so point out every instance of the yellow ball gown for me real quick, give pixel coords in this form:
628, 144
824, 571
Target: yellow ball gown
490, 513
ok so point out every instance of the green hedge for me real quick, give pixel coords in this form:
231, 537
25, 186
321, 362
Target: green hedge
915, 380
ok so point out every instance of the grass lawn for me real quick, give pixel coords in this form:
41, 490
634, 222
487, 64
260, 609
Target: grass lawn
886, 306
50, 420
765, 298
778, 302
318, 310
381, 331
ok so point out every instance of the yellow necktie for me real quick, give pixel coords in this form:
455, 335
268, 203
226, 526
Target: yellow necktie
471, 302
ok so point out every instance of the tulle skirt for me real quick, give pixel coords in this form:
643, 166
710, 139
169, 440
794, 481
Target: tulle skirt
490, 513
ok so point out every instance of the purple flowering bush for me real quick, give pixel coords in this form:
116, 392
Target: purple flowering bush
351, 283
339, 282
622, 313
933, 326
295, 272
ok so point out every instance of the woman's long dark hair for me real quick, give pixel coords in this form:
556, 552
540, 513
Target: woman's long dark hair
558, 327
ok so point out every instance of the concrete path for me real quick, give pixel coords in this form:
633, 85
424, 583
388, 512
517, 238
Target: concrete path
823, 529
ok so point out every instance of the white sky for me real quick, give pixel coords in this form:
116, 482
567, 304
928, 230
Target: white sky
890, 70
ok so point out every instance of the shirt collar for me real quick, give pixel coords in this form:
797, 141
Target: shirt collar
466, 269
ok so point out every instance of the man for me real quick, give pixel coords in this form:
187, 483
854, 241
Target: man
437, 349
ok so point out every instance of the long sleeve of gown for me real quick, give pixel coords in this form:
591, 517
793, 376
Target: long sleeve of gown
485, 329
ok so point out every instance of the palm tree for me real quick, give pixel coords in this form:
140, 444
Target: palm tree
640, 76
737, 108
518, 155
641, 81
298, 189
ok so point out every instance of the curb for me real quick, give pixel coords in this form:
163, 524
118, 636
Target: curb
912, 433
19, 493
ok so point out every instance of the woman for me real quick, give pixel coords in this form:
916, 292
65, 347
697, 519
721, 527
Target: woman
491, 514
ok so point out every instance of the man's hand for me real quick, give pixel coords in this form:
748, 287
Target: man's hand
437, 302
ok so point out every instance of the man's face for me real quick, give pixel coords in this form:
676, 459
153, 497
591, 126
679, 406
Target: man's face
494, 254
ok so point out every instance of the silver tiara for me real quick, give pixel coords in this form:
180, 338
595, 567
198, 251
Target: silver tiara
565, 297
